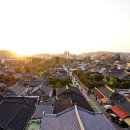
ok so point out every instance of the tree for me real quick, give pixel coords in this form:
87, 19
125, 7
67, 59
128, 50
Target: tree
98, 77
59, 82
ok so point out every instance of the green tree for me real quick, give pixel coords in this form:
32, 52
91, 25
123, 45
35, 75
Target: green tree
59, 82
98, 77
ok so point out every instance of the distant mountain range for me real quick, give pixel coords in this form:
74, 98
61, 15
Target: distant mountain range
7, 54
45, 55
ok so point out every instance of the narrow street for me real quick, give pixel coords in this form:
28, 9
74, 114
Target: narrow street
92, 100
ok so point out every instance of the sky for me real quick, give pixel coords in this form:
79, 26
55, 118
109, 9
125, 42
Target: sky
54, 26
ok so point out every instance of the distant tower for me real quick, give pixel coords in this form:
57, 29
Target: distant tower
66, 54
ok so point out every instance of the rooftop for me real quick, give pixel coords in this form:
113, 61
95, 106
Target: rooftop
15, 112
124, 105
110, 94
62, 104
38, 113
34, 83
76, 118
18, 89
76, 97
120, 74
105, 91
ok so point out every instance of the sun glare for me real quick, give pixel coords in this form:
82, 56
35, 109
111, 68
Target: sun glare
56, 26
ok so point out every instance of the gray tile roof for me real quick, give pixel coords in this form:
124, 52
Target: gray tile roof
60, 90
96, 70
102, 70
15, 112
62, 104
94, 121
17, 89
75, 90
105, 91
64, 121
121, 74
34, 83
75, 117
47, 90
38, 113
111, 95
69, 88
76, 97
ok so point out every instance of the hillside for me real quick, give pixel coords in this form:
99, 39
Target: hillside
7, 54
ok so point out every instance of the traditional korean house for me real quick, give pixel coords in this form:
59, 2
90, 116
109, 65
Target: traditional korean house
106, 95
76, 118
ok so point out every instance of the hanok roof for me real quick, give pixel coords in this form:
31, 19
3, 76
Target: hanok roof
76, 118
110, 94
121, 113
102, 70
17, 89
15, 112
105, 91
75, 90
121, 74
48, 90
61, 90
47, 109
76, 97
68, 88
62, 104
95, 70
34, 83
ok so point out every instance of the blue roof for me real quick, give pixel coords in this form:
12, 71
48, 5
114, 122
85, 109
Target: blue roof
68, 120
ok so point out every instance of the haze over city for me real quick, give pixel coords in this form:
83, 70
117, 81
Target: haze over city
65, 65
30, 27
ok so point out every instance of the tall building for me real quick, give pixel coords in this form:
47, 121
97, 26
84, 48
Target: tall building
66, 54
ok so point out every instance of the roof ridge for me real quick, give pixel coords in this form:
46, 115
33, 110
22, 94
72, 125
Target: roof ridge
60, 113
100, 92
26, 100
71, 108
79, 119
89, 111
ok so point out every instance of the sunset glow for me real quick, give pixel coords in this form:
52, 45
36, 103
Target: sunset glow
30, 27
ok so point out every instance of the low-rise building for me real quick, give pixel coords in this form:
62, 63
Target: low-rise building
15, 112
106, 95
76, 118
